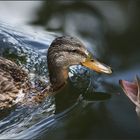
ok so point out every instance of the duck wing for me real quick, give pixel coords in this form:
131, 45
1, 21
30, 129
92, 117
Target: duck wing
12, 80
12, 69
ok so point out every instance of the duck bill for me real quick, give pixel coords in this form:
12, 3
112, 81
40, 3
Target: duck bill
95, 65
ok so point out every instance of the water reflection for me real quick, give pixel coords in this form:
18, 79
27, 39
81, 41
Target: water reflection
110, 30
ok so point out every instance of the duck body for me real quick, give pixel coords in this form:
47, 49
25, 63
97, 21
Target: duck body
12, 80
15, 85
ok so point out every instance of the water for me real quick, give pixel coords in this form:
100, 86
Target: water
112, 36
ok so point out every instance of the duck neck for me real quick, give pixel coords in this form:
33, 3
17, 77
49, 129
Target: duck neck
65, 95
58, 77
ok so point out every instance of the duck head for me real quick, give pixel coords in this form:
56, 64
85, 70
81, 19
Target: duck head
132, 90
66, 51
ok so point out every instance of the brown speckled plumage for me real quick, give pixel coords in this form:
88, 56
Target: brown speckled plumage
8, 79
14, 80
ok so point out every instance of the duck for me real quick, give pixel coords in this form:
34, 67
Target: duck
132, 91
63, 52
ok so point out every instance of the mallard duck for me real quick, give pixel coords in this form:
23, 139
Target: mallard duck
15, 86
132, 90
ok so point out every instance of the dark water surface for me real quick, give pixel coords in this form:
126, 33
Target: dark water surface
111, 31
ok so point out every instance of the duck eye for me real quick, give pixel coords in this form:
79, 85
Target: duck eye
92, 60
74, 51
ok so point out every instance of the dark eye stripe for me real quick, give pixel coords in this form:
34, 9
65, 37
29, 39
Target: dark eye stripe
78, 52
